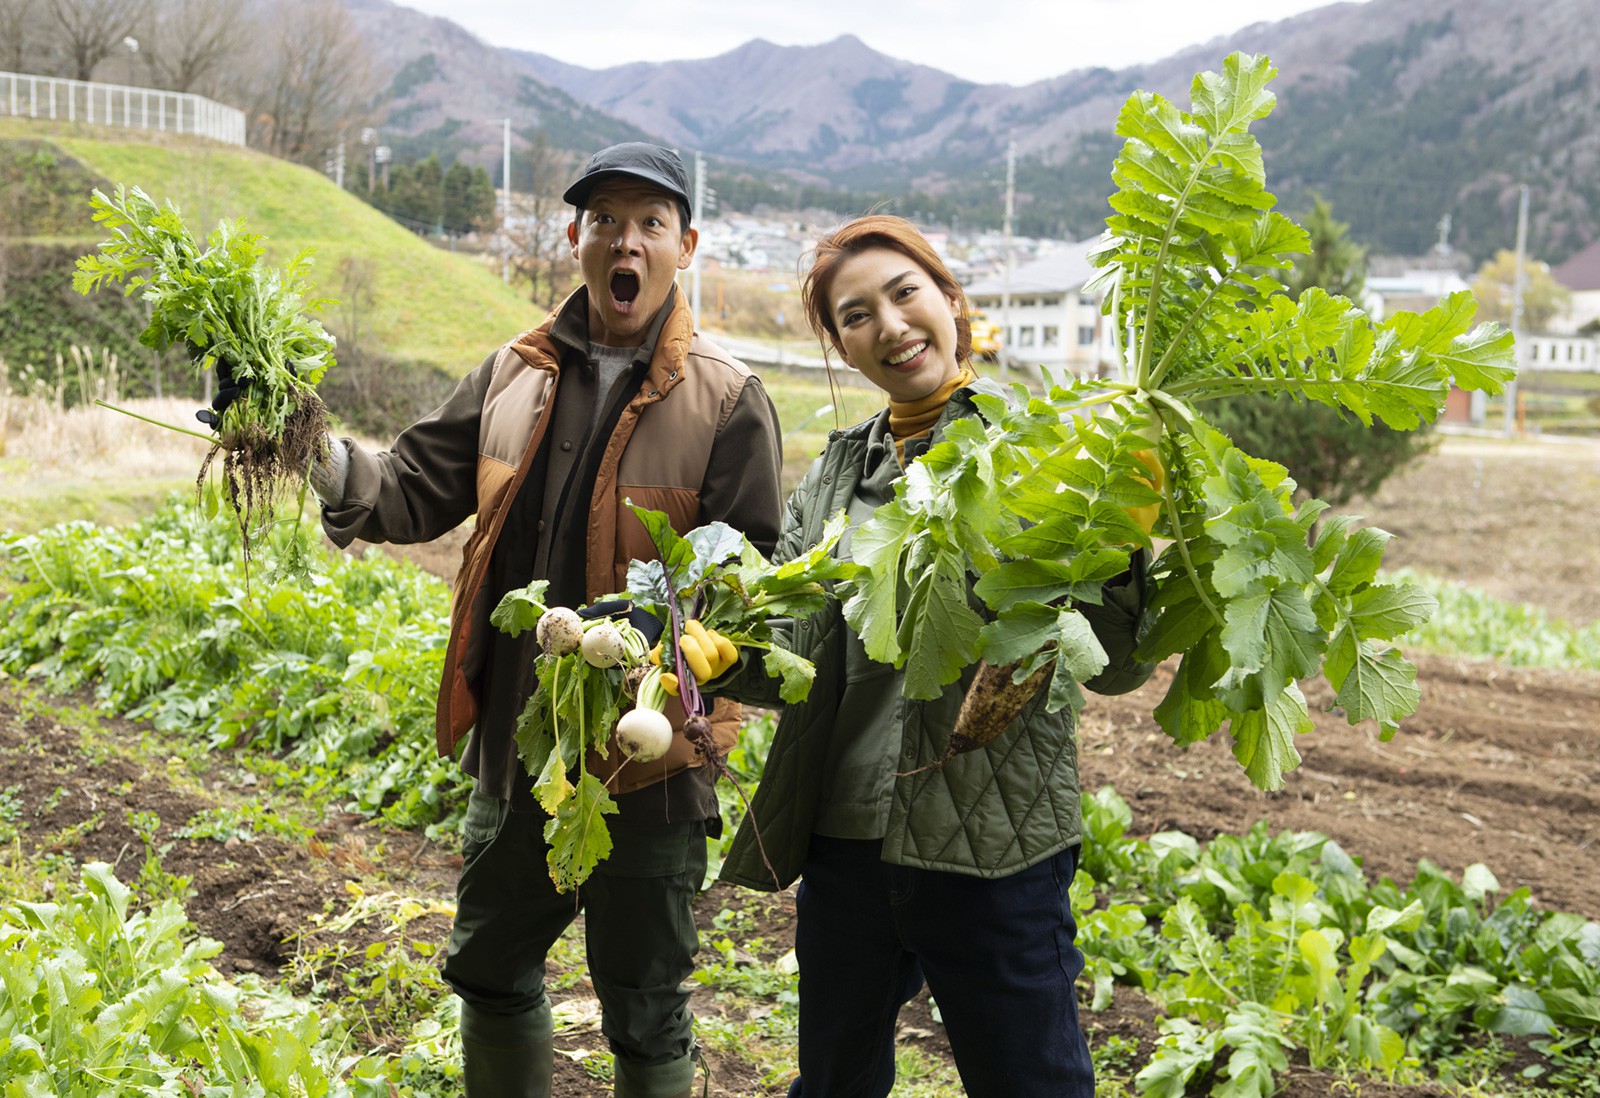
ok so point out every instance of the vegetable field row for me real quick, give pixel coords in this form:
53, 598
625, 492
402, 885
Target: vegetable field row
1261, 948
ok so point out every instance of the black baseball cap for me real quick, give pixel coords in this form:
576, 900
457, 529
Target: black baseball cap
637, 159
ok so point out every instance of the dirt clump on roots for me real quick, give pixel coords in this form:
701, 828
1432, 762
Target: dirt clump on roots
259, 470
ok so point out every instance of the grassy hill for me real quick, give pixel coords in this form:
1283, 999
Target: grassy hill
428, 306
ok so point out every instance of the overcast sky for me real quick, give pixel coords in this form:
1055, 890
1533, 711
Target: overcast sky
987, 41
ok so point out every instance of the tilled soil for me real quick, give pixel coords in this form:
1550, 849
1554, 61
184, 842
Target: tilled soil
1499, 766
1515, 519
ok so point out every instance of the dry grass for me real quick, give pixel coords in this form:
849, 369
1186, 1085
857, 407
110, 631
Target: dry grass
43, 436
62, 457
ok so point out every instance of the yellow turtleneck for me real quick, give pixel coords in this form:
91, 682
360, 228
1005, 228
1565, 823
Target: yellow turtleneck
909, 419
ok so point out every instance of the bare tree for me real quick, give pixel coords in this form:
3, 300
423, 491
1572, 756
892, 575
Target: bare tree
315, 81
88, 30
537, 233
190, 41
358, 275
24, 36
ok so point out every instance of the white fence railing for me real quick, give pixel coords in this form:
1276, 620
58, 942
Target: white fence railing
25, 96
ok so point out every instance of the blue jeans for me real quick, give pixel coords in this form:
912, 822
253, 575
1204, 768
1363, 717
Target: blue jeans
998, 956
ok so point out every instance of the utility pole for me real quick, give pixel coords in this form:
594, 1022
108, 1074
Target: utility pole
1518, 285
369, 141
505, 205
1005, 290
699, 209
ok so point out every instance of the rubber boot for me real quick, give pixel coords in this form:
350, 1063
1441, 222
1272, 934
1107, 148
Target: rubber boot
674, 1079
507, 1055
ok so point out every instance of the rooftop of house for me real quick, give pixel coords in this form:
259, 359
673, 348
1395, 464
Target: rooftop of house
1582, 271
1062, 270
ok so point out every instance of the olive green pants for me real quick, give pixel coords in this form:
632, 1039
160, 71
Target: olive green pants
638, 926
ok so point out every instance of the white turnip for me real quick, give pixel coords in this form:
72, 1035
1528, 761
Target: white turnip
603, 645
560, 631
644, 734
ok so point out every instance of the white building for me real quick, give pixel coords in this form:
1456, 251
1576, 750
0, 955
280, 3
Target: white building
1568, 353
1416, 290
1581, 276
1051, 321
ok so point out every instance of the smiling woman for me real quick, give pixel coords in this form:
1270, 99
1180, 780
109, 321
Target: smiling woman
894, 325
988, 924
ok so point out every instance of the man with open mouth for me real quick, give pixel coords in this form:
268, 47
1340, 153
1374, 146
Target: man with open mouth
615, 397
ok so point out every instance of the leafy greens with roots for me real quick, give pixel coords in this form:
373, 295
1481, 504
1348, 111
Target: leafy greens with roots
1032, 500
225, 304
712, 574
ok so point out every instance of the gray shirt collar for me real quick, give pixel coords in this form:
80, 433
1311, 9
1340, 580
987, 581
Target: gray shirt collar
571, 327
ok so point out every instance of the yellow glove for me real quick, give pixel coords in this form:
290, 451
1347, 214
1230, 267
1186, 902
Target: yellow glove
1146, 514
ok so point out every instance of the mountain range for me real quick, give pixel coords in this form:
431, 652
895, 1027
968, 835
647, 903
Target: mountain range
1400, 112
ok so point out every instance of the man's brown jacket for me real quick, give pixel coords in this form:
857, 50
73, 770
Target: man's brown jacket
472, 455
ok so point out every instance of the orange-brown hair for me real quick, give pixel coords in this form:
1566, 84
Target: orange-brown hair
853, 238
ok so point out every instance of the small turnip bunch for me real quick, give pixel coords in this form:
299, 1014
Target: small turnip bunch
229, 310
583, 675
714, 593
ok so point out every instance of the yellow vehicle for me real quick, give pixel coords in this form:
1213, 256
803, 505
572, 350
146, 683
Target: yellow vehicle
985, 337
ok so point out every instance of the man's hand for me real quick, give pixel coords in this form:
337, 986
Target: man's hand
229, 389
642, 620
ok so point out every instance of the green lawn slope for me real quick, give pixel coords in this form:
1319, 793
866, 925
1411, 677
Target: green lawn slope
429, 305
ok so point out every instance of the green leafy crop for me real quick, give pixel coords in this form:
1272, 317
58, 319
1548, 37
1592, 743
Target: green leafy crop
1034, 501
712, 574
233, 311
1259, 944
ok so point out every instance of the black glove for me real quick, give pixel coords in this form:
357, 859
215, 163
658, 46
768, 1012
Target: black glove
642, 620
229, 389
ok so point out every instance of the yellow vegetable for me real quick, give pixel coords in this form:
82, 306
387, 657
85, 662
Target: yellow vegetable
697, 630
669, 683
720, 653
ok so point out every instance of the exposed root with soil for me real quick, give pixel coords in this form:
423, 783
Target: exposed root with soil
697, 729
258, 469
991, 703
